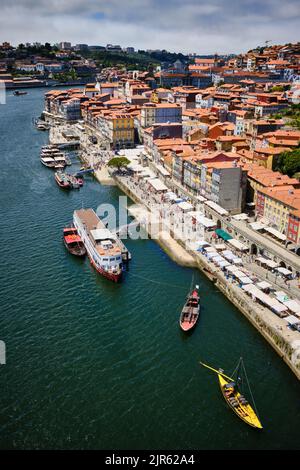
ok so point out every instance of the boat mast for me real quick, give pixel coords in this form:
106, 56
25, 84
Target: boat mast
219, 372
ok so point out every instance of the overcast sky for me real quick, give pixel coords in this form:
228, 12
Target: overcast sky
222, 26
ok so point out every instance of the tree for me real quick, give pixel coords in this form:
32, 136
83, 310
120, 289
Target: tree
118, 162
288, 162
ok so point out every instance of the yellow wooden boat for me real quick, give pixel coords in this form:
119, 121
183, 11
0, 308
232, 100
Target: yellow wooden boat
236, 401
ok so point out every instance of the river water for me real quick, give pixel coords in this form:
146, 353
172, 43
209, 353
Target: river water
94, 365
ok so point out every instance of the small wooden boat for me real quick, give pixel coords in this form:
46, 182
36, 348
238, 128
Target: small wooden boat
62, 180
191, 310
67, 181
73, 242
230, 389
19, 93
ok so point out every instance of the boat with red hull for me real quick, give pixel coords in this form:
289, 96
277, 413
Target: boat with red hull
103, 247
62, 181
73, 242
191, 310
67, 181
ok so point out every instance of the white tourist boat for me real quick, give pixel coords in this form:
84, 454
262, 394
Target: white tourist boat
101, 244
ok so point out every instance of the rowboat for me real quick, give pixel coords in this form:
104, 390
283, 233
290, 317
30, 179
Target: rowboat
191, 310
230, 389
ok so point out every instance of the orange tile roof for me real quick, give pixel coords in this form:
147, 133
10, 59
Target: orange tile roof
270, 150
287, 195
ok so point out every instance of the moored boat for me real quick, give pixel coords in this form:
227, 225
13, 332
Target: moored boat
230, 389
49, 162
19, 93
101, 244
75, 182
191, 310
62, 180
67, 181
56, 162
73, 242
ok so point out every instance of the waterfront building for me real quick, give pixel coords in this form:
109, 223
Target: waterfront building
118, 128
70, 109
224, 183
260, 178
280, 207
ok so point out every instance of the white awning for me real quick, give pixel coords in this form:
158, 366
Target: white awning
292, 320
237, 261
216, 207
135, 167
202, 220
223, 264
201, 243
158, 185
210, 249
171, 196
229, 256
257, 225
239, 274
281, 296
234, 269
265, 299
276, 233
268, 262
212, 255
241, 216
293, 306
238, 245
102, 234
185, 206
264, 285
284, 271
217, 259
163, 170
220, 246
246, 280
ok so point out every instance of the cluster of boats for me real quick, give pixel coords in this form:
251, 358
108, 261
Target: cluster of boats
52, 157
230, 387
88, 235
105, 250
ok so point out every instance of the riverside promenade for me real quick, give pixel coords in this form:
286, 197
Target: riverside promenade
285, 341
274, 329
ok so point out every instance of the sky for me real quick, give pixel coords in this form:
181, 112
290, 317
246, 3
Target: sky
188, 26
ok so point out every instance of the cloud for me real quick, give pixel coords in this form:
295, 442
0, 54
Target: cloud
188, 26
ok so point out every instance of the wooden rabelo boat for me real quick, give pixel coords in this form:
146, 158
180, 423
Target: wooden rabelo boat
73, 242
191, 310
231, 391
